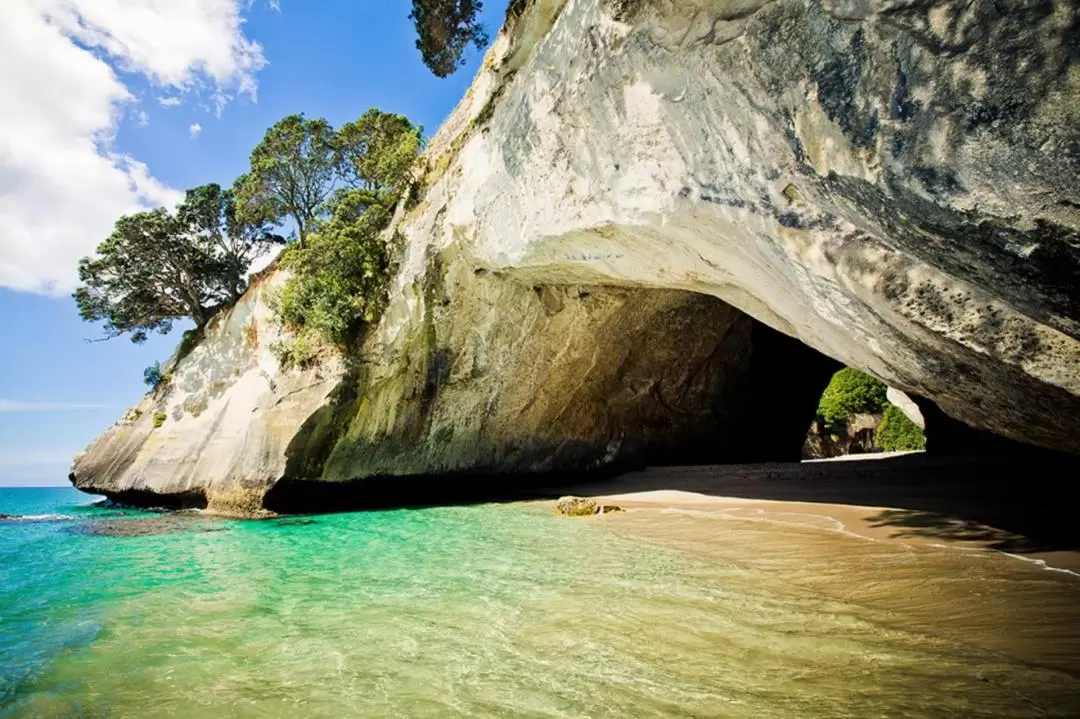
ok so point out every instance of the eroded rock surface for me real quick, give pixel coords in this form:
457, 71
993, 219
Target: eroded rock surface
891, 183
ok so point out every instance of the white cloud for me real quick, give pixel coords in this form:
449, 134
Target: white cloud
62, 181
194, 129
172, 101
143, 118
7, 405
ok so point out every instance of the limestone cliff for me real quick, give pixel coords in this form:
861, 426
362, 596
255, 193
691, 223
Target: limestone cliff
891, 183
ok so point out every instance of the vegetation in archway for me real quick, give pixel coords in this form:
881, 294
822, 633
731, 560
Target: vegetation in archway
850, 392
897, 433
854, 415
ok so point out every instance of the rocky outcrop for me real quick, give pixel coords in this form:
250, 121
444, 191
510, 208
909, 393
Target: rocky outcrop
855, 437
624, 187
227, 413
582, 507
892, 183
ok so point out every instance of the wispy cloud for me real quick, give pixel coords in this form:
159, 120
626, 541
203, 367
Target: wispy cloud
143, 118
194, 129
169, 101
7, 405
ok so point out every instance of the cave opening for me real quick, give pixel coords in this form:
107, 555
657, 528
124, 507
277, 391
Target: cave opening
859, 414
545, 388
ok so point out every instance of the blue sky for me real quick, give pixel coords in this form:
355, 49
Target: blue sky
111, 110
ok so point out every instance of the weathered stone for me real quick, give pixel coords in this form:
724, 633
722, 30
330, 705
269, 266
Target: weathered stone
892, 184
576, 507
906, 405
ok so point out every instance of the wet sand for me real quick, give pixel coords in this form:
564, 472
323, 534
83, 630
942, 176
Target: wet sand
905, 544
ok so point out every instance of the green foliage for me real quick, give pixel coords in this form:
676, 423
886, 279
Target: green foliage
159, 419
850, 392
897, 433
444, 29
300, 352
153, 376
145, 276
210, 214
339, 188
376, 152
293, 171
159, 266
339, 279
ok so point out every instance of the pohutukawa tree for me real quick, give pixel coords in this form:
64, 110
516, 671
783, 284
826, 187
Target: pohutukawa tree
376, 152
444, 29
339, 279
158, 266
293, 174
210, 214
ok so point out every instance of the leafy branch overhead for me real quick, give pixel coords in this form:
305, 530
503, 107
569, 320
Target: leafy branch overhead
444, 30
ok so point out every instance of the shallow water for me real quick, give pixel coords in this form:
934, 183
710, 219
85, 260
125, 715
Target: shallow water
461, 611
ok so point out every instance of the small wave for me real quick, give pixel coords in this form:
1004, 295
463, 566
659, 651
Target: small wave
36, 517
1041, 563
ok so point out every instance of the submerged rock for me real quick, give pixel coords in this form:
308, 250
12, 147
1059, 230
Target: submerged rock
627, 196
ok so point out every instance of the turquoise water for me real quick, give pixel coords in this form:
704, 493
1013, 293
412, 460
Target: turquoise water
459, 611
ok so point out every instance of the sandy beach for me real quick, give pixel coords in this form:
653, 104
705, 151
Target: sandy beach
910, 542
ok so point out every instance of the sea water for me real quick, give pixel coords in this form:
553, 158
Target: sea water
486, 611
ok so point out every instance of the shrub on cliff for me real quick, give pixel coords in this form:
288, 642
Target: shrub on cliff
849, 392
339, 279
897, 433
339, 276
153, 376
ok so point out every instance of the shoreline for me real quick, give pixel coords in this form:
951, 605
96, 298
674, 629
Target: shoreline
950, 577
856, 521
999, 503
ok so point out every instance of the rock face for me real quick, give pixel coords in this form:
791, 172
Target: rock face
230, 413
857, 437
624, 187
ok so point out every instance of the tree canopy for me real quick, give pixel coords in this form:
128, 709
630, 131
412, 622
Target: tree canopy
376, 151
339, 277
160, 266
293, 172
210, 214
339, 187
444, 29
